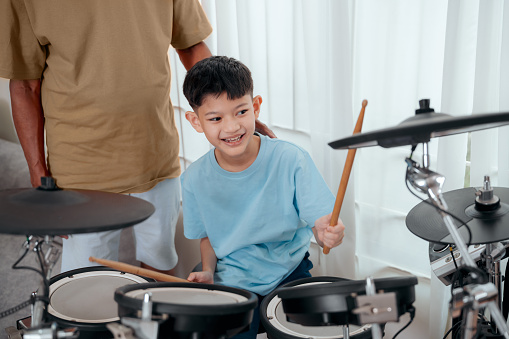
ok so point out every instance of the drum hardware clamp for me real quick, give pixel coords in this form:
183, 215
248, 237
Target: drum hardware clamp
144, 328
376, 308
380, 308
472, 298
50, 333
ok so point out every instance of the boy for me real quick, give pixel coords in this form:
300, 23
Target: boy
253, 201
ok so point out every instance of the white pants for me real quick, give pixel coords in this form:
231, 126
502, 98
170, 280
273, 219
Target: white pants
154, 237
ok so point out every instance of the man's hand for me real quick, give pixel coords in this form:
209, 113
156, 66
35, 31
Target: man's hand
261, 128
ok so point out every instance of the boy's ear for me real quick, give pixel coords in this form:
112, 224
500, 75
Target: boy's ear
257, 102
192, 117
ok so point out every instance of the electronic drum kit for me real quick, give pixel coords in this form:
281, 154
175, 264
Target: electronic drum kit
465, 228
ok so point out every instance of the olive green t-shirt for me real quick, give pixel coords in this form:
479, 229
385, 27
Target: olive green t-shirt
105, 84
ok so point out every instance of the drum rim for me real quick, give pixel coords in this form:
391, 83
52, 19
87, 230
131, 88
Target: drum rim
56, 282
124, 300
347, 287
273, 298
66, 274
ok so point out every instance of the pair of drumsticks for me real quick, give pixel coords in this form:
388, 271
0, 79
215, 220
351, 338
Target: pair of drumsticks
333, 222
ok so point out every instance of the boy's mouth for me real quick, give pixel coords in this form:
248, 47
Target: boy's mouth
233, 140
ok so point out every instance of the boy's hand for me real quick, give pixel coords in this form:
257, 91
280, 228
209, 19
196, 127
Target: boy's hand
330, 236
205, 277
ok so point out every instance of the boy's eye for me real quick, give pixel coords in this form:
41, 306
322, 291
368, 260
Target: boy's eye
242, 112
215, 119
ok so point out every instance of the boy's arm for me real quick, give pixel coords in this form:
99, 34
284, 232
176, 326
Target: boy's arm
208, 256
28, 118
330, 236
208, 261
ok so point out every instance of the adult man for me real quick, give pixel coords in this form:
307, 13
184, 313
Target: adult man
95, 76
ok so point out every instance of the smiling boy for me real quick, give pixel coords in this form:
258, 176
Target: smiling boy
255, 202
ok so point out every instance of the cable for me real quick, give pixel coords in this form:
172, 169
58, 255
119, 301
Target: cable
442, 210
453, 258
15, 309
412, 150
40, 272
452, 328
412, 316
15, 267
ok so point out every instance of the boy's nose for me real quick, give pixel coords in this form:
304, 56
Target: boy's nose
231, 125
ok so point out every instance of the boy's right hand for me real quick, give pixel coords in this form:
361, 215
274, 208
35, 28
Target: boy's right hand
205, 277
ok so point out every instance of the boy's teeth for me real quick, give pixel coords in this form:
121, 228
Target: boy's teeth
234, 139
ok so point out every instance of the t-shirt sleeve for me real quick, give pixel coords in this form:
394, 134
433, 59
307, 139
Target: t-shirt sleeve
313, 198
193, 223
21, 55
190, 24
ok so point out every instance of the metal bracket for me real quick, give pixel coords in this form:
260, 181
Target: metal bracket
377, 309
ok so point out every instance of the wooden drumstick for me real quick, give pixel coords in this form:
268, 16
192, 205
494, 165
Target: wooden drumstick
346, 175
137, 270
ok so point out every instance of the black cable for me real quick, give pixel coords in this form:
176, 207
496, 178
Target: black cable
412, 151
442, 210
452, 328
15, 267
505, 299
15, 309
412, 316
41, 272
453, 258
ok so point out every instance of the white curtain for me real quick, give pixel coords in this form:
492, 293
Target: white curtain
313, 62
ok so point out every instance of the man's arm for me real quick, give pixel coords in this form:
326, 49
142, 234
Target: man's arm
28, 118
193, 54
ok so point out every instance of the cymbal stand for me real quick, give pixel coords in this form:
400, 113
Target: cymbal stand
493, 255
376, 330
471, 297
47, 255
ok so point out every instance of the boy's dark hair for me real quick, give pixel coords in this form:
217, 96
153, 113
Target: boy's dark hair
217, 75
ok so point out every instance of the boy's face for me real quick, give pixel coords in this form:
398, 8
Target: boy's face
229, 125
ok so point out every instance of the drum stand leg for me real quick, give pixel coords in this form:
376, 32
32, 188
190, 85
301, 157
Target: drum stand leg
346, 331
47, 255
469, 324
376, 330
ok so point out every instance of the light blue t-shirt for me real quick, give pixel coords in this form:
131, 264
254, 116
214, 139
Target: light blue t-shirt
258, 220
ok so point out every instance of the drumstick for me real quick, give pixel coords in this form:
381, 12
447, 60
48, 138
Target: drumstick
137, 270
346, 175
